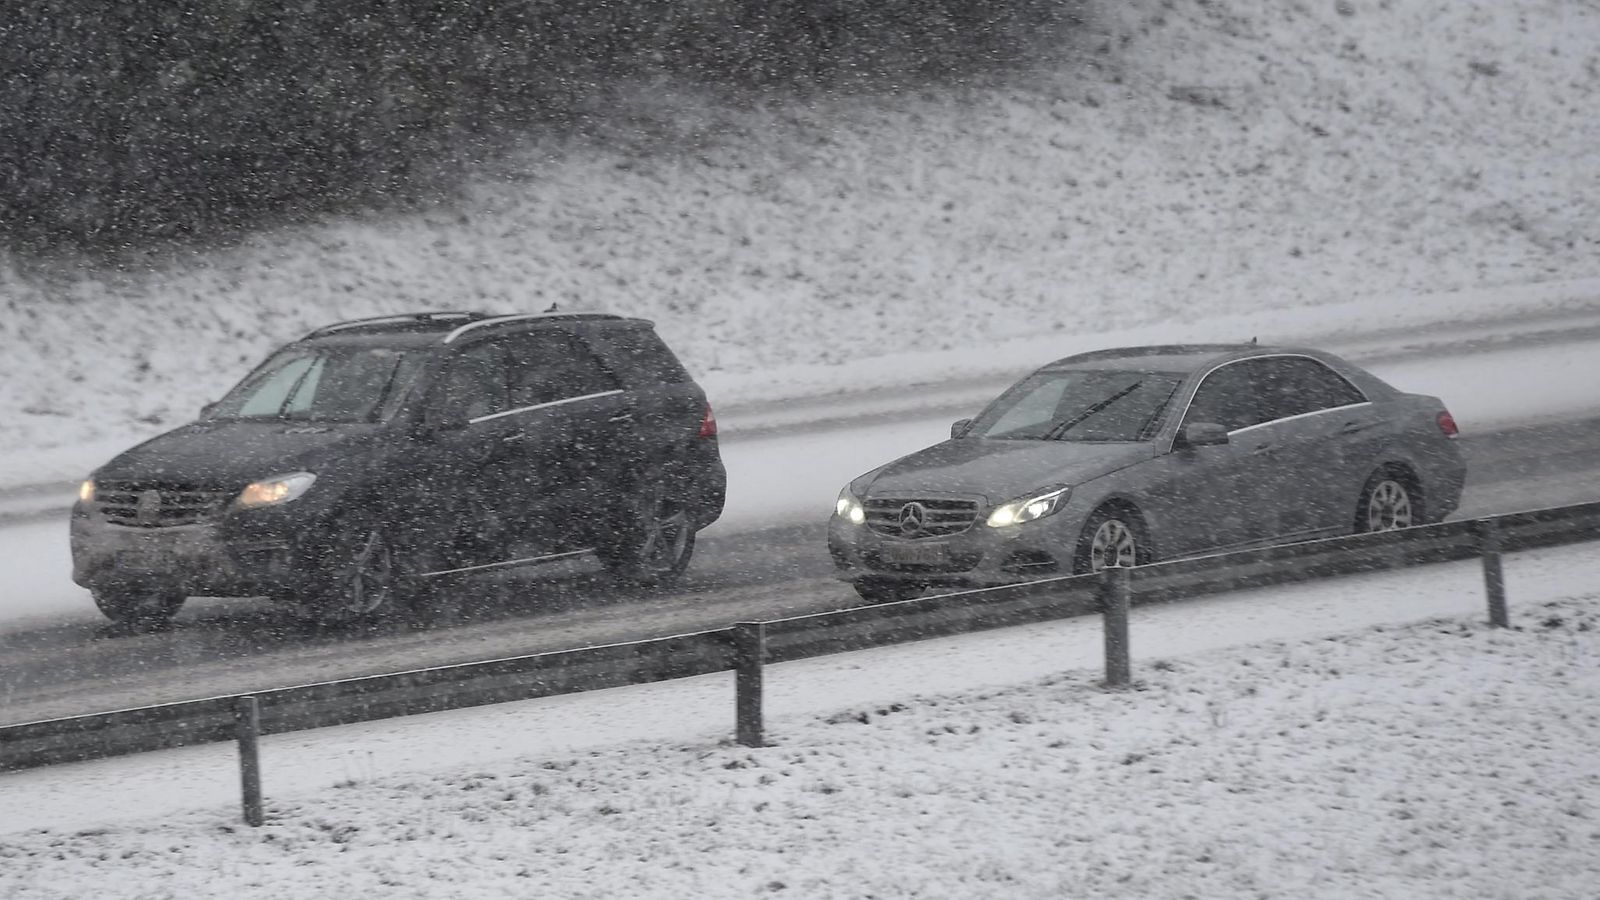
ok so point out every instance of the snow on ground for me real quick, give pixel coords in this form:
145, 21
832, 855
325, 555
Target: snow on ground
1184, 162
1440, 759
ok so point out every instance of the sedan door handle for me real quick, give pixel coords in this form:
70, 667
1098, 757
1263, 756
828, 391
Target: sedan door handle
1354, 427
517, 438
1262, 448
621, 417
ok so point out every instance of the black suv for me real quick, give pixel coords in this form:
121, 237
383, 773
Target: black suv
358, 465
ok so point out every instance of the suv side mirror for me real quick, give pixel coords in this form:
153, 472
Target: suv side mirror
1202, 434
959, 427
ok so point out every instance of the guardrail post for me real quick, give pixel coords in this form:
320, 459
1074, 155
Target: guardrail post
1115, 593
247, 719
750, 653
1494, 576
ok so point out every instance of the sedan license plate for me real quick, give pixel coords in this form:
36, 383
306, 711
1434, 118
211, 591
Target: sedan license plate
914, 554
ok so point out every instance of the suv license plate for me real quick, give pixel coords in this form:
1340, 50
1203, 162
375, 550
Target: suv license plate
147, 560
914, 554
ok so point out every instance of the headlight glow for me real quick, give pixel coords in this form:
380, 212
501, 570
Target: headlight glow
86, 491
1028, 509
849, 508
275, 490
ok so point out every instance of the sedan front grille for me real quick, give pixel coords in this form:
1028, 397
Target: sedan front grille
150, 505
920, 517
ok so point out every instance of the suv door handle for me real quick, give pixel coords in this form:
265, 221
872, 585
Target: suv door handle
621, 417
517, 438
1355, 427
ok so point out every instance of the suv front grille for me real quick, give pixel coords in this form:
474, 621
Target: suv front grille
939, 518
147, 505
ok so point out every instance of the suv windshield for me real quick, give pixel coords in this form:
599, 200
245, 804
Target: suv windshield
1079, 405
323, 384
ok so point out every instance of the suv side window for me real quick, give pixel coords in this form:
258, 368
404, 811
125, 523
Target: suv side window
472, 385
1228, 397
550, 366
649, 360
1296, 385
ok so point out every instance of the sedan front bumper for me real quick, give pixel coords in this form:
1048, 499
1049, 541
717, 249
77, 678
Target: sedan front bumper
981, 556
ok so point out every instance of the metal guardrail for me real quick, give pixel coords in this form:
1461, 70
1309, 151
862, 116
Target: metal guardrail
748, 646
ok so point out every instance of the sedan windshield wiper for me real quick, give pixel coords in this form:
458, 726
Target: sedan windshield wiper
1059, 429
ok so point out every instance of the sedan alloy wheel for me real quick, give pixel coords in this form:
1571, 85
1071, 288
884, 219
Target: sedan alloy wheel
1388, 506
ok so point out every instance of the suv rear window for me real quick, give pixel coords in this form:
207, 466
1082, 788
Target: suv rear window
641, 355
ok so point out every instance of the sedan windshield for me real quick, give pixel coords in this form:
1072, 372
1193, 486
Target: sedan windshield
1079, 405
323, 384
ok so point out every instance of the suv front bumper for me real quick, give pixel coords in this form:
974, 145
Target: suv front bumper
198, 560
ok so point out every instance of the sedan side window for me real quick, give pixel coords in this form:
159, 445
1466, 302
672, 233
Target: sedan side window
1296, 385
1227, 397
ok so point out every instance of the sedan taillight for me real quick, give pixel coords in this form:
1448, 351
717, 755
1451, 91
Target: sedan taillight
708, 423
1447, 424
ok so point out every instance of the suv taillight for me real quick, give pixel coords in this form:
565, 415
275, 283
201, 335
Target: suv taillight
708, 423
1447, 424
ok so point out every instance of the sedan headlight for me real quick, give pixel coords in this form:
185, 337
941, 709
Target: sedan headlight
86, 491
275, 490
1026, 509
849, 508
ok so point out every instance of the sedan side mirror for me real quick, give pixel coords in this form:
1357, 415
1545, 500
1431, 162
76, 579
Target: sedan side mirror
959, 427
1202, 434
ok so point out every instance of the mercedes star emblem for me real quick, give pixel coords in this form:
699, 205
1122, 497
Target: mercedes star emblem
912, 517
148, 508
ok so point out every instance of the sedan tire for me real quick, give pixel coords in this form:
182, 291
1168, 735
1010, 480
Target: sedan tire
1388, 503
1113, 536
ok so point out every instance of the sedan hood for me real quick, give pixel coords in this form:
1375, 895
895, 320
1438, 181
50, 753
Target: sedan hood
235, 453
1001, 470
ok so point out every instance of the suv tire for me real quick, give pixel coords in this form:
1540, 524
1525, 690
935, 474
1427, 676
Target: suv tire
655, 545
361, 580
139, 608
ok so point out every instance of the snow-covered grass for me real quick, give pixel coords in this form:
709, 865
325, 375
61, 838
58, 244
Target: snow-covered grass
1182, 162
1440, 759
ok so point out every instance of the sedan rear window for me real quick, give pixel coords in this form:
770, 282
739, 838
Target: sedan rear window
1079, 405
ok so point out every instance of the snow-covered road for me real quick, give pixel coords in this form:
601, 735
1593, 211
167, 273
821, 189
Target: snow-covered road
789, 474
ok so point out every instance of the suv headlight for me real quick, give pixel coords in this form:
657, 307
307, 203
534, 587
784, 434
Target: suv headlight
1026, 509
275, 490
86, 491
849, 508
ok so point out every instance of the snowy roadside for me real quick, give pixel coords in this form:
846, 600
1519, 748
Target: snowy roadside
1431, 759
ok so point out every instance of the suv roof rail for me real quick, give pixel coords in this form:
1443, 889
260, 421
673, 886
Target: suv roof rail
452, 318
520, 317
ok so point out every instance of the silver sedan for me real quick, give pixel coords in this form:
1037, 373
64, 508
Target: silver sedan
1123, 457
